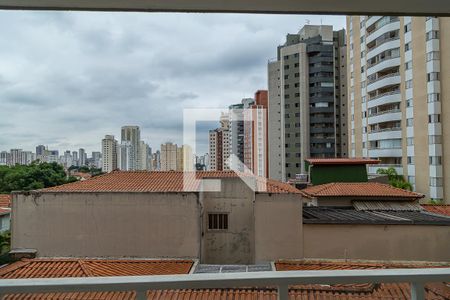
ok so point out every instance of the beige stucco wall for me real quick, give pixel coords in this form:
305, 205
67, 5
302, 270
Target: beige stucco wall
108, 224
278, 227
235, 245
377, 242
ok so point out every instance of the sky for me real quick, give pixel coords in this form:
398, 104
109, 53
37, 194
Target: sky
69, 78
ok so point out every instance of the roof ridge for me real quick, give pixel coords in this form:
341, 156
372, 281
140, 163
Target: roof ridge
85, 268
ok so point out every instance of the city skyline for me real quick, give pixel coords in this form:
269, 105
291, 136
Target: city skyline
64, 88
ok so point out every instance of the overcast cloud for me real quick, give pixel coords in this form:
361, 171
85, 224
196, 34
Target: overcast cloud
69, 78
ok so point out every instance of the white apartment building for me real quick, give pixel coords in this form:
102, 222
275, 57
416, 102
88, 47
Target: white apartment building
109, 154
132, 134
398, 82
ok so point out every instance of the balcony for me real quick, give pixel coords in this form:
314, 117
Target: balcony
279, 279
387, 62
382, 81
372, 169
385, 116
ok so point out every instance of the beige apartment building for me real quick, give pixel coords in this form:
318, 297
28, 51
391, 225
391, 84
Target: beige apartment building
169, 157
398, 81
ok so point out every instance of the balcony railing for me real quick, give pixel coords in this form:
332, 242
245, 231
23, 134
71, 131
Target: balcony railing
385, 94
390, 111
386, 129
370, 65
370, 81
381, 42
281, 280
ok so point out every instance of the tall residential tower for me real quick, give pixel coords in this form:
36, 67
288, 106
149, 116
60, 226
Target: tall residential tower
307, 100
399, 84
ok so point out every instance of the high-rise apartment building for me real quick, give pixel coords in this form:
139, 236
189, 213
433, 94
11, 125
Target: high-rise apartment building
82, 157
124, 156
219, 145
145, 156
256, 135
307, 98
109, 154
236, 133
5, 158
15, 157
132, 134
168, 157
156, 161
40, 152
399, 77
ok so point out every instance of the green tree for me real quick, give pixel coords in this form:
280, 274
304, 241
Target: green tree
395, 179
31, 177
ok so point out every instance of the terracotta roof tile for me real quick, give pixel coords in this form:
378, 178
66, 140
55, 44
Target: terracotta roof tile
170, 181
437, 209
72, 267
359, 190
5, 200
367, 290
342, 161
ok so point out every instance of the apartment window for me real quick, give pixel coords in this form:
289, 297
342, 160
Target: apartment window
364, 144
297, 154
408, 27
410, 160
295, 54
286, 86
365, 129
217, 221
286, 76
435, 160
409, 122
409, 102
363, 99
408, 84
412, 179
434, 139
408, 65
362, 39
297, 94
435, 118
432, 76
297, 145
287, 155
287, 135
286, 57
297, 114
410, 141
287, 125
297, 125
433, 97
362, 69
286, 116
286, 67
363, 53
286, 96
296, 65
287, 105
436, 181
433, 55
297, 84
296, 75
408, 46
297, 134
433, 34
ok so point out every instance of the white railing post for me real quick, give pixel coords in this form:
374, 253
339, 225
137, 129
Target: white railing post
141, 295
417, 291
283, 292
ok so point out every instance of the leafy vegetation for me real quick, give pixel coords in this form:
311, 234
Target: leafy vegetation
85, 169
395, 179
31, 177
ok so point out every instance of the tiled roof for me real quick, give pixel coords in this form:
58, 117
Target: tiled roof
5, 200
342, 161
364, 290
159, 181
56, 268
437, 209
349, 215
359, 190
73, 267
